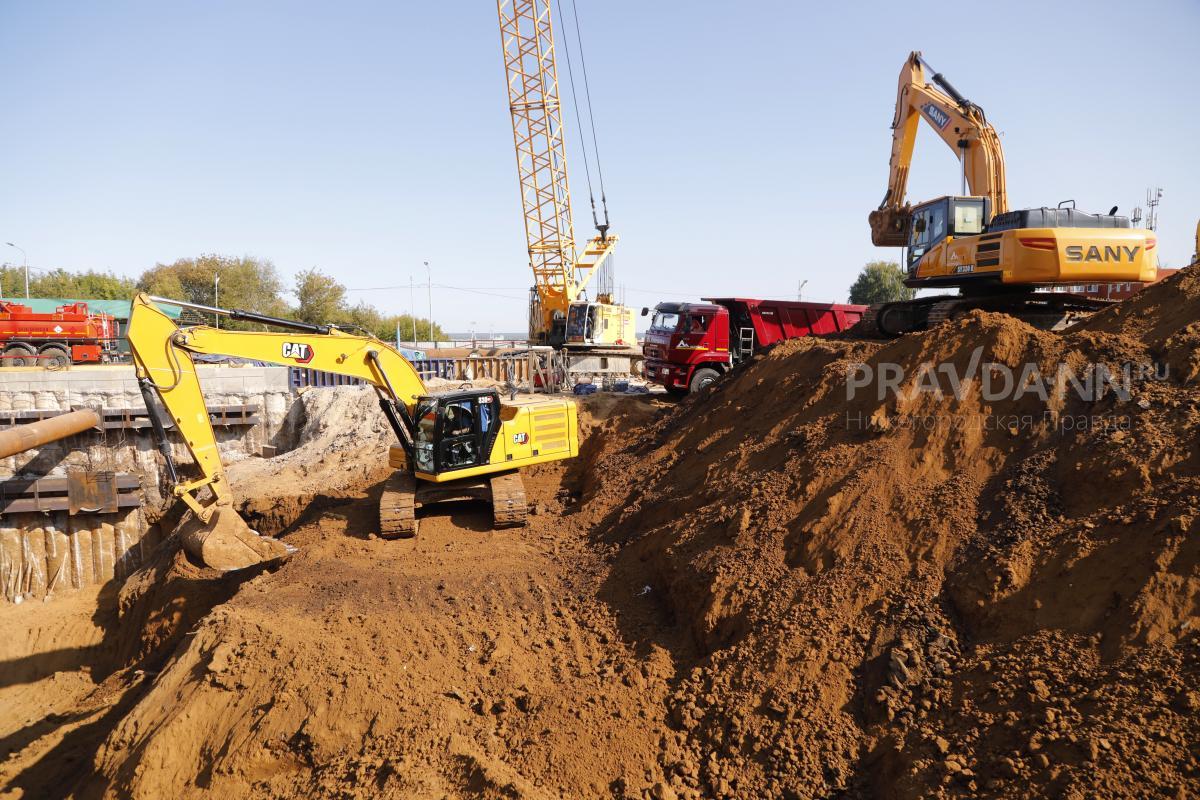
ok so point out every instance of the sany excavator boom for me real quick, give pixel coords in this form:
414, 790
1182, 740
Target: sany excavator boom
1000, 260
960, 123
461, 444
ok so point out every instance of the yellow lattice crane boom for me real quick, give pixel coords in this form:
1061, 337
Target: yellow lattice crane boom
558, 314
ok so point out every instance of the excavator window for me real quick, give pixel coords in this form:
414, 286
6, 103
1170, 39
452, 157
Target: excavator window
455, 432
968, 218
460, 444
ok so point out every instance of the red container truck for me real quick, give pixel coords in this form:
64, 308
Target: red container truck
691, 345
69, 335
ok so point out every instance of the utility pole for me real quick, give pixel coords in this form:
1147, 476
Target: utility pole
429, 285
412, 308
216, 298
25, 262
1153, 198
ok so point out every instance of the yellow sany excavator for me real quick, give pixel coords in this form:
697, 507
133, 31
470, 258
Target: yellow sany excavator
461, 444
997, 258
559, 313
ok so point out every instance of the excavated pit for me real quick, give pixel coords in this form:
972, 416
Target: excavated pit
768, 590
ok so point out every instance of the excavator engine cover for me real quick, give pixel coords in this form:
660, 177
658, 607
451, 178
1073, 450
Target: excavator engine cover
226, 542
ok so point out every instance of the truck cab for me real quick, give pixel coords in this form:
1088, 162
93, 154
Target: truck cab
687, 343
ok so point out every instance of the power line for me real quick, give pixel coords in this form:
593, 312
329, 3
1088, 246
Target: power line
444, 286
483, 291
575, 106
588, 94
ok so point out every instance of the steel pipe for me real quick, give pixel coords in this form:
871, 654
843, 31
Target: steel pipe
24, 437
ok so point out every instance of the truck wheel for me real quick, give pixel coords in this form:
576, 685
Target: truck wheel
703, 378
54, 356
19, 355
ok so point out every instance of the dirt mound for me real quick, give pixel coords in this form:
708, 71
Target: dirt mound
924, 591
344, 439
1165, 318
963, 563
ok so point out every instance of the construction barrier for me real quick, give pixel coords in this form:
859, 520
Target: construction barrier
495, 368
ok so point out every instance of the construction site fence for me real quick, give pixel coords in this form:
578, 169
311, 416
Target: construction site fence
510, 369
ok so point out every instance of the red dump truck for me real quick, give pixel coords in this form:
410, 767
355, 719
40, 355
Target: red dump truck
69, 335
691, 345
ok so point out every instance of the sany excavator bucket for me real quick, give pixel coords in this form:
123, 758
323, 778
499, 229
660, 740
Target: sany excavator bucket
226, 542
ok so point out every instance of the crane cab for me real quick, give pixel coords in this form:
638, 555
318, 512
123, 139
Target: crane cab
597, 324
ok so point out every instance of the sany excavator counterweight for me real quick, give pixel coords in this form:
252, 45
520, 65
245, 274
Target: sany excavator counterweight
999, 259
456, 445
559, 314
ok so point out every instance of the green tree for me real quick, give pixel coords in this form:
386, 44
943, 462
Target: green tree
405, 323
61, 283
12, 282
82, 285
880, 282
320, 297
247, 283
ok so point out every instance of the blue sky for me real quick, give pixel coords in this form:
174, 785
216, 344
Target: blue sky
743, 144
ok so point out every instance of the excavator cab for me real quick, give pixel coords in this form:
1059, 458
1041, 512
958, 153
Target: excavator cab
932, 222
455, 430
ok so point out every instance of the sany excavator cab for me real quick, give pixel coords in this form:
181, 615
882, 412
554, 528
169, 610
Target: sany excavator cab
934, 221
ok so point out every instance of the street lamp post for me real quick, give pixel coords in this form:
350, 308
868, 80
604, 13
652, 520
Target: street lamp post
429, 278
25, 263
216, 297
412, 308
800, 290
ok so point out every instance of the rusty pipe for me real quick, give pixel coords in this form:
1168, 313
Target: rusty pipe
24, 437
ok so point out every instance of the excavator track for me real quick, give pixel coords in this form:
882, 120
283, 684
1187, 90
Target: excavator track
509, 507
1048, 311
397, 507
868, 324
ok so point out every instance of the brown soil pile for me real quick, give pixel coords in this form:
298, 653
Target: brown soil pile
929, 596
769, 590
341, 432
464, 663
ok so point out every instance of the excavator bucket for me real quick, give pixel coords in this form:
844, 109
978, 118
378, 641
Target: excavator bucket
226, 542
889, 226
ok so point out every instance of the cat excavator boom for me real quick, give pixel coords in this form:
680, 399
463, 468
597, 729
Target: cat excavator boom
461, 444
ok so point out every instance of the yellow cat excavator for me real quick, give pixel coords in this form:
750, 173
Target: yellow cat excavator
997, 258
456, 445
